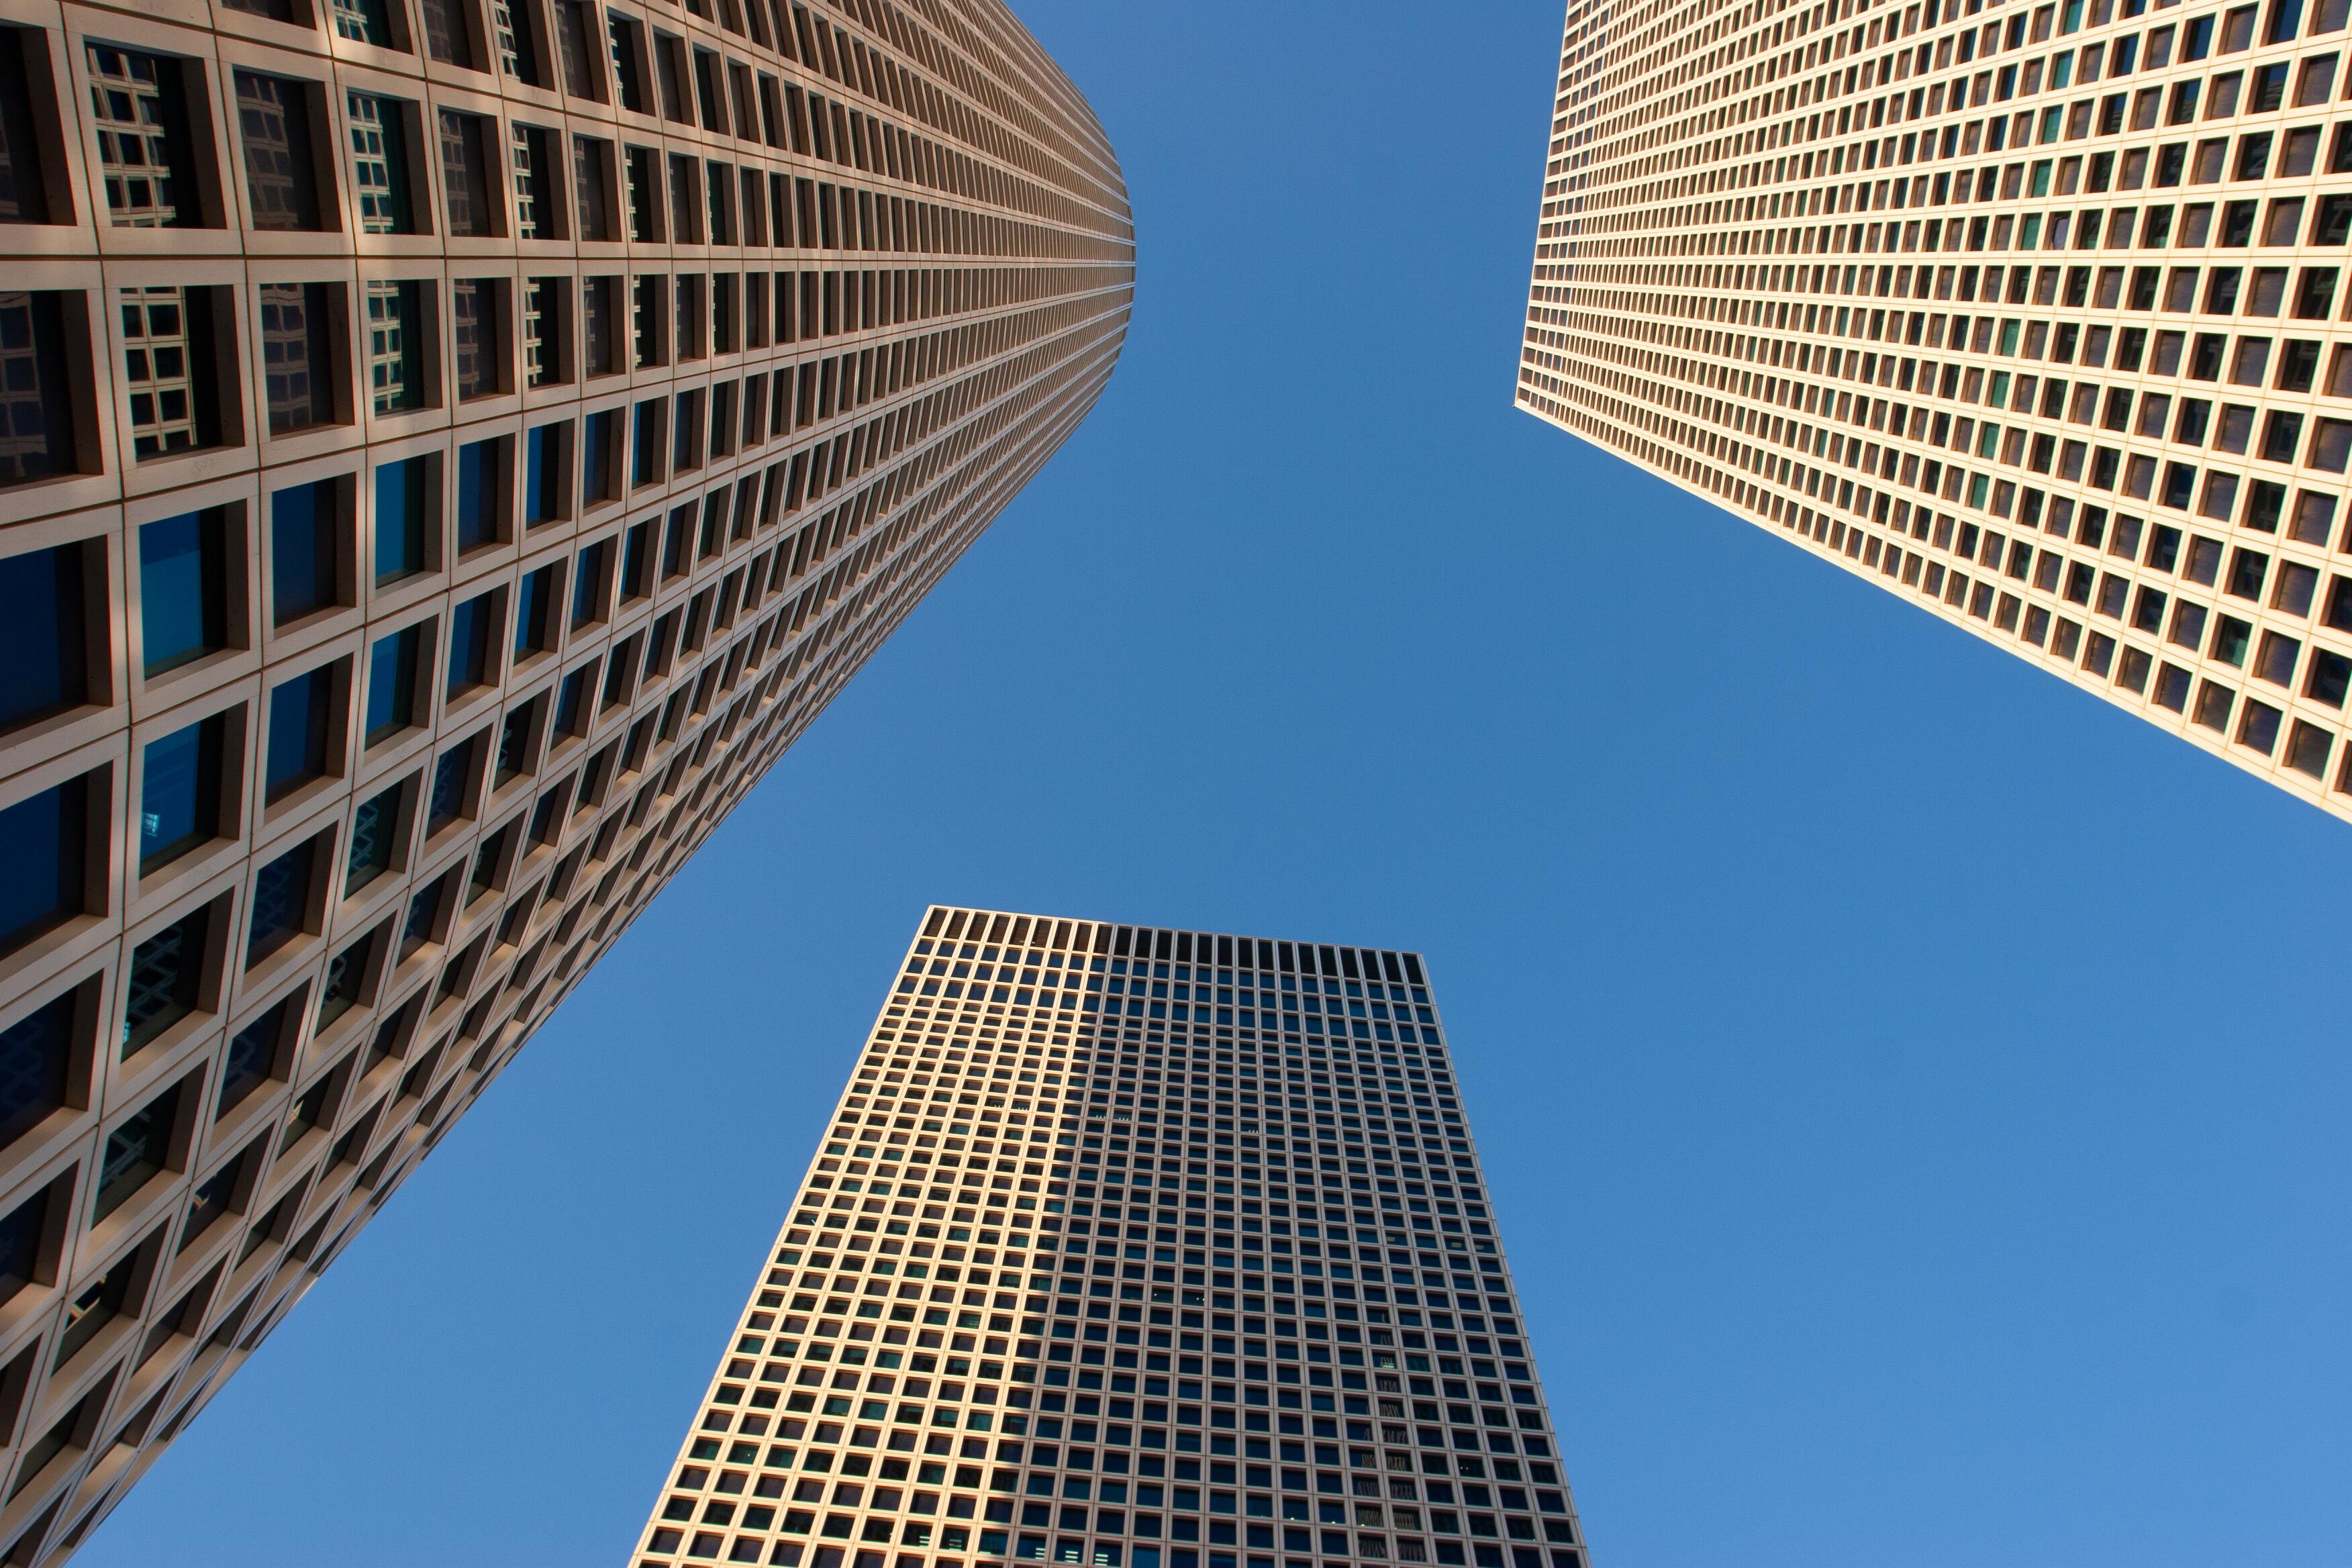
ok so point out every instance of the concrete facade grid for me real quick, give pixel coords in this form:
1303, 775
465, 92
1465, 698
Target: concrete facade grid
216, 1068
1134, 1248
2032, 314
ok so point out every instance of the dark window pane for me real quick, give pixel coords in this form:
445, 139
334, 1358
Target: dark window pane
531, 615
401, 499
465, 176
282, 897
298, 323
24, 184
471, 627
135, 1153
44, 653
303, 551
372, 826
166, 978
300, 725
41, 862
273, 117
252, 1059
36, 1053
446, 34
479, 482
179, 804
37, 407
346, 973
183, 588
20, 1243
448, 798
391, 684
477, 335
364, 22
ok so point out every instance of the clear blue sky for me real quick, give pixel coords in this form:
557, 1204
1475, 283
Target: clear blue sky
1915, 1093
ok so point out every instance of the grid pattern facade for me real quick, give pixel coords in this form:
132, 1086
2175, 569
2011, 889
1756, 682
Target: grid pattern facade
1132, 1247
450, 449
2029, 313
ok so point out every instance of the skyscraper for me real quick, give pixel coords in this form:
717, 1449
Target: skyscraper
2028, 314
1136, 1248
451, 449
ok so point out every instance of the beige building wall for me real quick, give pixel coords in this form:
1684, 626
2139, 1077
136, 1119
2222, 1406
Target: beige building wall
448, 451
2029, 313
1134, 1248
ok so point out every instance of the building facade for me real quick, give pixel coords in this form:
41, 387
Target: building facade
1135, 1248
448, 449
2032, 314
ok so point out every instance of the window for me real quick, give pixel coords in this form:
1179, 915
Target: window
301, 732
393, 664
517, 38
136, 1152
26, 104
178, 369
547, 332
538, 184
399, 371
450, 34
40, 433
533, 620
628, 62
644, 199
281, 900
601, 318
546, 466
183, 588
481, 494
102, 1301
365, 22
146, 142
253, 1058
301, 326
589, 591
600, 465
453, 774
180, 791
36, 1063
652, 428
275, 116
473, 631
380, 162
44, 660
466, 185
591, 181
404, 493
374, 828
478, 328
347, 978
165, 982
43, 860
306, 550
575, 26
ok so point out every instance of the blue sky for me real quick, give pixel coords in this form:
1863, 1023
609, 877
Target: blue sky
1913, 1090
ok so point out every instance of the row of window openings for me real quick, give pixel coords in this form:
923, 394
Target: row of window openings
148, 110
192, 571
43, 1050
182, 388
179, 972
190, 783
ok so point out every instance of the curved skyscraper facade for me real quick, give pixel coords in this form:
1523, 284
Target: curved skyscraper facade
448, 449
2032, 314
